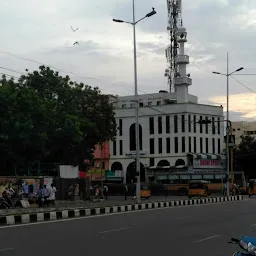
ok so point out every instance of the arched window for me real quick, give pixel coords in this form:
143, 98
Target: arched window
179, 162
163, 163
116, 166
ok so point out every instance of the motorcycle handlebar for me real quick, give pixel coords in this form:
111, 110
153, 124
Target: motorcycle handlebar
235, 240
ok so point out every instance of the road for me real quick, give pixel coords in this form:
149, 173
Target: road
193, 230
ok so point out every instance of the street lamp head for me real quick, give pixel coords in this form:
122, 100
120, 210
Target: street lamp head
217, 73
239, 69
153, 12
120, 21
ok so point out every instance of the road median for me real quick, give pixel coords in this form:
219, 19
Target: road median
52, 214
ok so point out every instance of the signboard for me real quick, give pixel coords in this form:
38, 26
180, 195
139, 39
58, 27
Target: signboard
96, 174
118, 174
208, 163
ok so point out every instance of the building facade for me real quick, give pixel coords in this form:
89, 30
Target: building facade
168, 133
243, 129
169, 128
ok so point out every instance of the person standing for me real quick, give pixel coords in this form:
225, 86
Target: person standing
53, 191
46, 192
106, 192
40, 194
125, 192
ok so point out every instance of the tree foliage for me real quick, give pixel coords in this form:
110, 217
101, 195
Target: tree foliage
47, 117
245, 155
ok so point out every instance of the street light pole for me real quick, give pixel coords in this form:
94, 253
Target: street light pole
228, 121
137, 130
137, 135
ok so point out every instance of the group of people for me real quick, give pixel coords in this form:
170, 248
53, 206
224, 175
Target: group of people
46, 195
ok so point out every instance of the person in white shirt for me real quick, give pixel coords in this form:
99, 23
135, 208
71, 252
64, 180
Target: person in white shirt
53, 191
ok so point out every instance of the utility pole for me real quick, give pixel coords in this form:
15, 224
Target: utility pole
101, 166
134, 23
228, 128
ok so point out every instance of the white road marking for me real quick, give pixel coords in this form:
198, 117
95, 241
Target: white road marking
117, 213
114, 230
207, 238
6, 249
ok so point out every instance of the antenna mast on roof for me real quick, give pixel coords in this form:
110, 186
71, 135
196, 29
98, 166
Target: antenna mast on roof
174, 21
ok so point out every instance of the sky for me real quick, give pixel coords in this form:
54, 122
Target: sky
35, 32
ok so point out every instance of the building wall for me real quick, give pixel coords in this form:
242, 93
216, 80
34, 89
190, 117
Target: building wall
126, 117
243, 129
105, 156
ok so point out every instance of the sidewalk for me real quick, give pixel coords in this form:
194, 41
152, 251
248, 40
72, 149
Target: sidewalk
79, 204
64, 205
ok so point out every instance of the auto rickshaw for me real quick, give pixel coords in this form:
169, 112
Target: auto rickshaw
145, 191
198, 188
252, 187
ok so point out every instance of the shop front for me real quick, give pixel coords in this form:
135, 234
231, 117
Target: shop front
206, 162
114, 176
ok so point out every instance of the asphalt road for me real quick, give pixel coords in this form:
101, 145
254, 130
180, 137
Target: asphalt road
194, 230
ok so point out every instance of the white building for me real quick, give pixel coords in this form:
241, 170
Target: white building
169, 128
243, 129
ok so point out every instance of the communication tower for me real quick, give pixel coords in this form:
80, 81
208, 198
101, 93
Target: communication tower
174, 22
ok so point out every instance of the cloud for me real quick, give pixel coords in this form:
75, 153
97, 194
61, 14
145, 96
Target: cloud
41, 30
242, 104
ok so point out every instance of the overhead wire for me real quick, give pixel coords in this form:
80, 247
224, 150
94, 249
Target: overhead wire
60, 70
244, 85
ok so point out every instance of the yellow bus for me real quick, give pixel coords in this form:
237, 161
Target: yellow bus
178, 179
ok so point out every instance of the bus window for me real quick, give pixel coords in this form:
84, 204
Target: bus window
208, 176
184, 177
196, 177
174, 179
219, 178
158, 178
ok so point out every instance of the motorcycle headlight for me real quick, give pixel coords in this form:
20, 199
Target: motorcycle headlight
243, 245
251, 249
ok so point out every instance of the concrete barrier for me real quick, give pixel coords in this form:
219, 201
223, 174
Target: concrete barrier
81, 212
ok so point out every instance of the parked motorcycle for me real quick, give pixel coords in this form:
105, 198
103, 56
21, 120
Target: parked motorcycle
246, 243
4, 204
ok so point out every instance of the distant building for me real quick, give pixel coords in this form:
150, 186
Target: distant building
100, 163
169, 131
243, 129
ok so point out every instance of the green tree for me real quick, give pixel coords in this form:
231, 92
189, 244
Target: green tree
47, 117
245, 155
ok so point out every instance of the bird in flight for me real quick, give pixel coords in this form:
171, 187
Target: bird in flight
75, 43
74, 29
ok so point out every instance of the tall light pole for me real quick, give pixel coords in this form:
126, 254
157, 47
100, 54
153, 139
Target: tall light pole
134, 23
228, 121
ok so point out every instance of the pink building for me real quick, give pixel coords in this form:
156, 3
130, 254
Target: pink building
103, 154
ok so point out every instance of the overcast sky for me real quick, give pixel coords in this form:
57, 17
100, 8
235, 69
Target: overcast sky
40, 30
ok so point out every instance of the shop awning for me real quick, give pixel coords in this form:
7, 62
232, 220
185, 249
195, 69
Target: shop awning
208, 156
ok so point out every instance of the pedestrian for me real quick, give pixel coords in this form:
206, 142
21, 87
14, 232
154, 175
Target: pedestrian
70, 192
166, 190
125, 191
46, 192
106, 192
53, 191
97, 193
40, 194
225, 189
